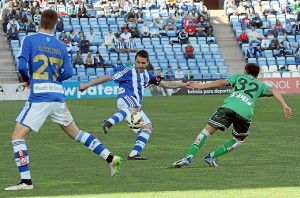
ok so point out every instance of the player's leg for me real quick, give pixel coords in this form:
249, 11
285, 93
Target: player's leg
219, 120
142, 139
126, 105
240, 132
62, 116
32, 116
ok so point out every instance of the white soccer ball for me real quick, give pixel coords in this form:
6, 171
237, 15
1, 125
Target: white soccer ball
135, 120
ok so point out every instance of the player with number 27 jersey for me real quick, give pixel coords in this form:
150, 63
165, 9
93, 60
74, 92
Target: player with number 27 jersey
246, 90
49, 65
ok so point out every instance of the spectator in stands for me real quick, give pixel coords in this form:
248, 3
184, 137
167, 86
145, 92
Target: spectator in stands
189, 51
72, 11
258, 8
169, 74
68, 44
82, 11
243, 37
286, 44
120, 47
73, 38
160, 73
119, 66
78, 60
170, 23
13, 28
110, 39
84, 45
200, 30
98, 60
249, 8
246, 22
189, 74
134, 31
278, 29
190, 30
131, 16
19, 18
62, 35
30, 26
125, 26
265, 43
171, 4
194, 16
259, 52
125, 35
91, 36
250, 52
145, 30
80, 36
154, 30
288, 27
274, 43
60, 25
187, 20
253, 36
286, 7
282, 50
129, 63
296, 9
88, 60
297, 54
256, 21
202, 9
179, 74
231, 9
241, 9
183, 37
296, 28
208, 27
37, 17
5, 19
160, 22
131, 46
24, 5
139, 16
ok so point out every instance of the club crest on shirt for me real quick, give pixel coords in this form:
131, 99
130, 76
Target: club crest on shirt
48, 39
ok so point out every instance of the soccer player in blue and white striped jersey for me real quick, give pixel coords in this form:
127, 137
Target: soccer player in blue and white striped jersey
49, 65
132, 82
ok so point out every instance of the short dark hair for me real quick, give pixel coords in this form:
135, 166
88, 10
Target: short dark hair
49, 19
143, 54
252, 69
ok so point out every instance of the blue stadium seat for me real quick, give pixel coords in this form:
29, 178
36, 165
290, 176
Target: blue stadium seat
198, 76
280, 61
252, 60
90, 71
261, 61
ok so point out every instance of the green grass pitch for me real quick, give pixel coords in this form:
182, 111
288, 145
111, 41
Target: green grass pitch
266, 165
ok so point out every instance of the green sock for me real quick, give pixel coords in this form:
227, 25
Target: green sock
194, 148
223, 149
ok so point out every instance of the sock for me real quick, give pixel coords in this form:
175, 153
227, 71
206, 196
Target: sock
93, 144
21, 158
200, 140
226, 148
120, 115
140, 142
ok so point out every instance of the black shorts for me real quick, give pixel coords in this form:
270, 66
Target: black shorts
224, 117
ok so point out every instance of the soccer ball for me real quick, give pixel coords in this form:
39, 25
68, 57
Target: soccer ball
135, 120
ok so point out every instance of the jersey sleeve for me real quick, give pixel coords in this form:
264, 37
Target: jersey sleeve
121, 76
232, 80
67, 71
265, 90
25, 49
154, 79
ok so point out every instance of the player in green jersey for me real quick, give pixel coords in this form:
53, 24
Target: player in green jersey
237, 110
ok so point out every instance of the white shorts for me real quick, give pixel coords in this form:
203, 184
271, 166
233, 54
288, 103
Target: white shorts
33, 115
121, 104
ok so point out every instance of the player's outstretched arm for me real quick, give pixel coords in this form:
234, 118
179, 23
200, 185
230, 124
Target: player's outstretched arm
173, 84
214, 84
286, 109
103, 79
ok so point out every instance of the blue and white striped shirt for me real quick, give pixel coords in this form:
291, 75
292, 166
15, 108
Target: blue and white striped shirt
132, 83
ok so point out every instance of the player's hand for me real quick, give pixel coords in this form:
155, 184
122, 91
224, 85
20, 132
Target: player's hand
186, 85
27, 84
194, 85
82, 87
287, 112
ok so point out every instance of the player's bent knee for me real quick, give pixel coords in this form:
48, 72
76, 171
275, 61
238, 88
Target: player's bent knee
148, 126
